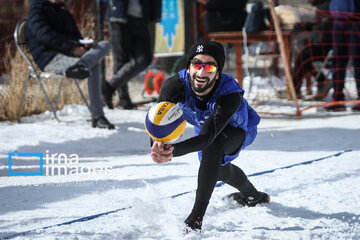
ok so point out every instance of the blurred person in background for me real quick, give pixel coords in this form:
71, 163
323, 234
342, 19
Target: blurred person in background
132, 30
346, 46
316, 48
54, 42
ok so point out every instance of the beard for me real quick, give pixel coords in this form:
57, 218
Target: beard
205, 83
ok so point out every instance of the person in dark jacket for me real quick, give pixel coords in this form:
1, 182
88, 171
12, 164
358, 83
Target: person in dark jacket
224, 125
346, 39
132, 30
54, 42
316, 49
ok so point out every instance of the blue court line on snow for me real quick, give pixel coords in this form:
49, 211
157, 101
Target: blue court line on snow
273, 170
87, 218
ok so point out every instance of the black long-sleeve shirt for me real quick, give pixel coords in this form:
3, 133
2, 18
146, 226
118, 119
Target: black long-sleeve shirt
173, 91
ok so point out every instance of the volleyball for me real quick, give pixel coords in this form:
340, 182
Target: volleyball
165, 122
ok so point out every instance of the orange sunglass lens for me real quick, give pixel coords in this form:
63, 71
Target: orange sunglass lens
197, 66
207, 67
210, 68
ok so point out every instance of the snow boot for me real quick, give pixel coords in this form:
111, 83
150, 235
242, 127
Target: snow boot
102, 122
249, 201
77, 71
193, 224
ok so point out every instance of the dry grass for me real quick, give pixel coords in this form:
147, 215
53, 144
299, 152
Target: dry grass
10, 91
35, 102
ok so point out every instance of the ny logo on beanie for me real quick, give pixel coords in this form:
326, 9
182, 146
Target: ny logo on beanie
199, 48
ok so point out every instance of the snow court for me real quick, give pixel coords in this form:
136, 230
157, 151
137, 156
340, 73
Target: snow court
143, 208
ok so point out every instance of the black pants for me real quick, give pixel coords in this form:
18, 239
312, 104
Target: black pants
346, 39
211, 171
132, 49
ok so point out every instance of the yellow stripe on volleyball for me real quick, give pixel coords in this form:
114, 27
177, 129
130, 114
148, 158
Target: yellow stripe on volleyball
172, 136
161, 110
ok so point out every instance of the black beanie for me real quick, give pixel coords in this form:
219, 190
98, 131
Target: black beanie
214, 49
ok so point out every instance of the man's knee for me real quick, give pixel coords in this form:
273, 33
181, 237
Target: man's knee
215, 150
143, 61
105, 46
231, 139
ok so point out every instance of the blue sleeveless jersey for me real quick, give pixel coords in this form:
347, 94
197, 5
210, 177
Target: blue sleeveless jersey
245, 117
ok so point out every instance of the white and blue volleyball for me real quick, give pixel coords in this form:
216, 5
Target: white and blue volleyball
165, 122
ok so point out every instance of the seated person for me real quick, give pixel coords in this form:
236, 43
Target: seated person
316, 49
53, 40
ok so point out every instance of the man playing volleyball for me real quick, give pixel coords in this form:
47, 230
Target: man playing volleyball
224, 124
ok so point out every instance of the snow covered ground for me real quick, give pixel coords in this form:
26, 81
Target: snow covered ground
112, 171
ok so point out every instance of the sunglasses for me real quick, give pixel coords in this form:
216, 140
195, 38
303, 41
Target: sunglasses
208, 67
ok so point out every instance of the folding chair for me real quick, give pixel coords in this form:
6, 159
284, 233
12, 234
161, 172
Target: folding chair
21, 44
